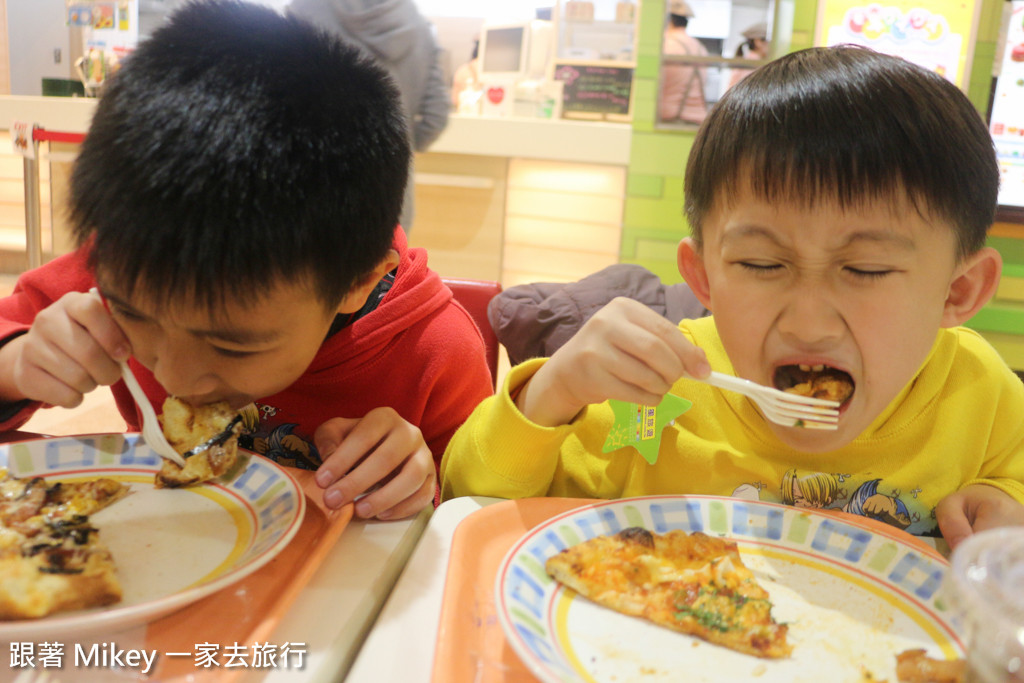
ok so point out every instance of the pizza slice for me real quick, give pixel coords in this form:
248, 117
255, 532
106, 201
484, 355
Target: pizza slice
691, 583
209, 431
51, 557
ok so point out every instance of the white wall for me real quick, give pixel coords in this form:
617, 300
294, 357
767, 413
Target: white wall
35, 29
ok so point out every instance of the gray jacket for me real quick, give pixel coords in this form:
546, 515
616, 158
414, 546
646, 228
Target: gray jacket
402, 40
536, 319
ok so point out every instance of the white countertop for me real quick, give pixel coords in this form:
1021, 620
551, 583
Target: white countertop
335, 611
410, 619
595, 142
64, 114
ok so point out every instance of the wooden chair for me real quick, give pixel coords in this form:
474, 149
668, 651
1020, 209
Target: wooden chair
474, 295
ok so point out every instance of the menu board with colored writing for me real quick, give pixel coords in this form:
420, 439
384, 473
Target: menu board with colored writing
595, 89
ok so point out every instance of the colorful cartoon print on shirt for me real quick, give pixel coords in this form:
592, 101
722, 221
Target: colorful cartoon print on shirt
831, 491
276, 441
810, 489
868, 502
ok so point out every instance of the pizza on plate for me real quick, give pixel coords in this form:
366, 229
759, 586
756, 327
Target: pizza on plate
51, 557
692, 583
211, 430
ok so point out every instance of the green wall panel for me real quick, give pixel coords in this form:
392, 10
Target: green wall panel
638, 185
658, 153
1012, 250
665, 270
664, 215
647, 69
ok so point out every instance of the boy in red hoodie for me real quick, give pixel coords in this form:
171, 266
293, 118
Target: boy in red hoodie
236, 201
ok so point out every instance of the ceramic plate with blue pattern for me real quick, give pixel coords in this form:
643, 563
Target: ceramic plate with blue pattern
854, 592
171, 546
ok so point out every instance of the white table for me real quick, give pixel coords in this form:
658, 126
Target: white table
401, 645
337, 608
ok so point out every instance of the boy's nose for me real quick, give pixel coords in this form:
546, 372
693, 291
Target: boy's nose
809, 318
184, 374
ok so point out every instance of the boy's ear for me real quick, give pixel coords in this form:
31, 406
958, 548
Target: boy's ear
691, 267
357, 296
974, 283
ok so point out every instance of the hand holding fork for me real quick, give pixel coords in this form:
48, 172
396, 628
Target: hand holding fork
789, 410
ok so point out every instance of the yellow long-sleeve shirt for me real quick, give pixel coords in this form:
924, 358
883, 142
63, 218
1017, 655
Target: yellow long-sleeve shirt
959, 421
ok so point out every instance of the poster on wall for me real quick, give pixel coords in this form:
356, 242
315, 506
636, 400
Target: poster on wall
938, 34
1006, 119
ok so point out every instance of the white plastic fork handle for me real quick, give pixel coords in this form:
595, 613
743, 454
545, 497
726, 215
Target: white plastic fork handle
163, 449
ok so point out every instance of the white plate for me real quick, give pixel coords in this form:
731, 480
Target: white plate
171, 546
853, 595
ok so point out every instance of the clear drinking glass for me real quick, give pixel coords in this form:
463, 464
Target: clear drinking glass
985, 586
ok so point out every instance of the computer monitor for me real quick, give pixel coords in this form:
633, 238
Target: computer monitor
519, 49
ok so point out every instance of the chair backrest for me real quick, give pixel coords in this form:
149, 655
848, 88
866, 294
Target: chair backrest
474, 295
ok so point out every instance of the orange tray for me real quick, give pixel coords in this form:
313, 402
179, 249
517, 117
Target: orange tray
247, 611
471, 644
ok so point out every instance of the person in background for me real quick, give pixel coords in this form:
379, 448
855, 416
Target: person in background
238, 215
467, 80
838, 201
681, 97
755, 46
402, 40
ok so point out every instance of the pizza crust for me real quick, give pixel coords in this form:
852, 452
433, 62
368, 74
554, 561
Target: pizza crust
27, 591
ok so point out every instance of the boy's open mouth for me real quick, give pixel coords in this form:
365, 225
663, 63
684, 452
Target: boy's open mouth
816, 381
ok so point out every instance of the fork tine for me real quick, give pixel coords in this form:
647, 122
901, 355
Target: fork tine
818, 419
805, 422
786, 397
805, 412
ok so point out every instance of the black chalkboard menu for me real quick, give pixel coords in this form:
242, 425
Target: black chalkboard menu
595, 89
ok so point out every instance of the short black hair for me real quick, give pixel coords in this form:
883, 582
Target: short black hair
848, 124
238, 148
679, 20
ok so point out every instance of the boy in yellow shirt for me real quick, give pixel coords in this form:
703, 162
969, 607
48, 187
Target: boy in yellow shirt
839, 201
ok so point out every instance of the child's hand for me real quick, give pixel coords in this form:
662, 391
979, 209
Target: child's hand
975, 508
382, 453
625, 351
73, 346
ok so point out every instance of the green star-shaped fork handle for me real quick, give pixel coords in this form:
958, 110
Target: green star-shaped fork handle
641, 426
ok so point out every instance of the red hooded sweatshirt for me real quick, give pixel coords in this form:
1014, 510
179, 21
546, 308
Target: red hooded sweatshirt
418, 352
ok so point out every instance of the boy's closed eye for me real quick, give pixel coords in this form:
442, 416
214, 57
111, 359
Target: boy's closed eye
120, 311
860, 272
869, 273
760, 268
233, 353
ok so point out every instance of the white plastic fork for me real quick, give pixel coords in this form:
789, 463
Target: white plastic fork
152, 433
789, 410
